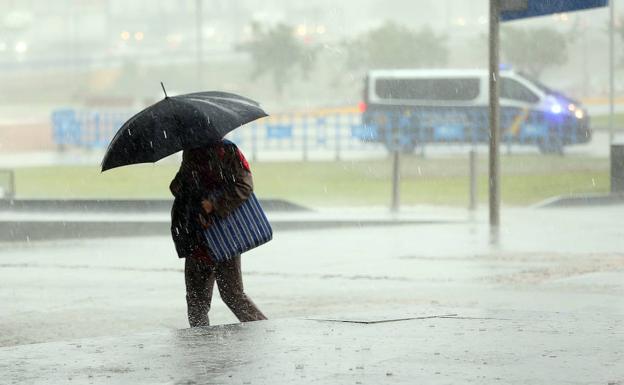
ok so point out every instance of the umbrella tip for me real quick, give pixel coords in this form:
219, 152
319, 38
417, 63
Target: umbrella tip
165, 91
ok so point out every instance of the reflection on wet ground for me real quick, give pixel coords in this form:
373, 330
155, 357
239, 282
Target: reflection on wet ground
511, 347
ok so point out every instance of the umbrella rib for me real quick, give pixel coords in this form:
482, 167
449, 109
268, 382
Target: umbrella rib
241, 101
224, 96
213, 104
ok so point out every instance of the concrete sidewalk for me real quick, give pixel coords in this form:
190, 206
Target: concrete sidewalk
435, 346
560, 270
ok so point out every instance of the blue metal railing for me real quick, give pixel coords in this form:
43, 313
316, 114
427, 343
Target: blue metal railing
347, 131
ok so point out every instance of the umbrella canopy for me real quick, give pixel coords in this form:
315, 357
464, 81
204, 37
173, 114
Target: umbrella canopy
178, 123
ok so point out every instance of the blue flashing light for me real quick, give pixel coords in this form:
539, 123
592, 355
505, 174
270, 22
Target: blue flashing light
556, 108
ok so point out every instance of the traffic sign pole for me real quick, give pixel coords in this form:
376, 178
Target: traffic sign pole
514, 10
611, 70
199, 41
494, 166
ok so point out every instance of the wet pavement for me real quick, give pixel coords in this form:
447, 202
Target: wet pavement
551, 295
481, 347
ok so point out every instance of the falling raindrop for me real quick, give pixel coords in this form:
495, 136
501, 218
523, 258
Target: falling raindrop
165, 134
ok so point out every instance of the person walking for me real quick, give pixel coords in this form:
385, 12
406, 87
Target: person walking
212, 181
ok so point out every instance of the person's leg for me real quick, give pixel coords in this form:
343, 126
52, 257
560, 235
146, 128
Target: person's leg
199, 278
230, 283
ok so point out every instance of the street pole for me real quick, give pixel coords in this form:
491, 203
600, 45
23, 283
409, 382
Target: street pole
199, 40
611, 69
472, 160
494, 166
396, 181
396, 172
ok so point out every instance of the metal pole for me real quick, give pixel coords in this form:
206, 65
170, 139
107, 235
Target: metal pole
198, 40
494, 166
11, 193
617, 168
396, 179
337, 123
611, 69
396, 173
109, 17
72, 39
473, 179
304, 136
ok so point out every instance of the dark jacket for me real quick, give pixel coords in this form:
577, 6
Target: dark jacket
217, 173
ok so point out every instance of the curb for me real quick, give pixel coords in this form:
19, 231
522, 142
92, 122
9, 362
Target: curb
588, 200
121, 205
39, 230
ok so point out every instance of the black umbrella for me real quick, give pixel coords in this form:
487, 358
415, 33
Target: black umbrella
178, 123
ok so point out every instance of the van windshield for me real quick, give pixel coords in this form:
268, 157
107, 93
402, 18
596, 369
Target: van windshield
537, 83
514, 90
427, 89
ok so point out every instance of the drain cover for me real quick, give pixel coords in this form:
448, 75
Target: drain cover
377, 319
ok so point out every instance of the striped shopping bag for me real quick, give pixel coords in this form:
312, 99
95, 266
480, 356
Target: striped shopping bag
244, 229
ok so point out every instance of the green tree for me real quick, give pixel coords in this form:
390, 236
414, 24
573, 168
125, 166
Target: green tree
534, 50
395, 46
278, 53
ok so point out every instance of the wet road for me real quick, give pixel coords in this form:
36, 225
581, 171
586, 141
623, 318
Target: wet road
548, 259
501, 347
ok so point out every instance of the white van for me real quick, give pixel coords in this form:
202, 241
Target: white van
452, 106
